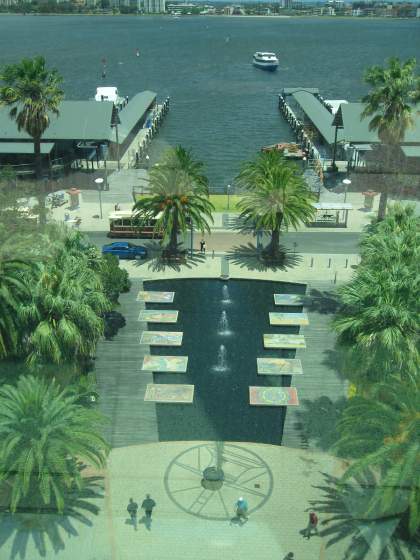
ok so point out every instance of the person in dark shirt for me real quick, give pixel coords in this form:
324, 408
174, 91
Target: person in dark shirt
132, 510
148, 504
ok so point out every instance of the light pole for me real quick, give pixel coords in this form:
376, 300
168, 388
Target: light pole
228, 194
99, 182
346, 183
192, 240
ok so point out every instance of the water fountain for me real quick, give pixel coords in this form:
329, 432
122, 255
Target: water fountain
226, 295
221, 359
223, 327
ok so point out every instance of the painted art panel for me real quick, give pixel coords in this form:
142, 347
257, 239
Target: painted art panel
279, 366
155, 297
273, 396
172, 364
168, 393
158, 316
285, 319
288, 299
284, 341
161, 338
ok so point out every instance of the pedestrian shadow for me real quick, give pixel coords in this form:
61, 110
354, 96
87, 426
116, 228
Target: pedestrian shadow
247, 256
146, 521
47, 528
238, 521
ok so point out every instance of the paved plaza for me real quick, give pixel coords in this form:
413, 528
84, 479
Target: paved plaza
190, 521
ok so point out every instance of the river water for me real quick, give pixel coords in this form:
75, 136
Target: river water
222, 107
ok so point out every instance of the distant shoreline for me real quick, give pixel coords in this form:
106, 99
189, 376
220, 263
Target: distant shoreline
214, 16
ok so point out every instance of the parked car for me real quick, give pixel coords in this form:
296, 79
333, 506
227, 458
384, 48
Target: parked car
125, 250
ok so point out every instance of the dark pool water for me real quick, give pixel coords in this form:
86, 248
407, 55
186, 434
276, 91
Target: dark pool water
221, 409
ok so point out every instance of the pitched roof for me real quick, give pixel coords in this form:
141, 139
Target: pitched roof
24, 147
133, 111
356, 129
78, 120
318, 114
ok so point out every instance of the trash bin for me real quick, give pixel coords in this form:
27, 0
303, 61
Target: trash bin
74, 197
368, 202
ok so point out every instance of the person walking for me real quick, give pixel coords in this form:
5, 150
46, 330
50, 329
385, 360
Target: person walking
242, 510
312, 525
132, 510
202, 246
148, 504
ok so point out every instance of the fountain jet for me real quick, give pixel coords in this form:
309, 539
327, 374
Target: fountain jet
221, 359
226, 295
223, 328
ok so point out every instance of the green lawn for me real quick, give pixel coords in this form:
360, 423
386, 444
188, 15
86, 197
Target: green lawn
220, 202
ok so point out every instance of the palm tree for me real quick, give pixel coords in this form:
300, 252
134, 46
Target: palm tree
377, 323
395, 239
382, 433
181, 159
13, 293
378, 326
44, 435
64, 317
394, 91
276, 196
32, 91
344, 507
177, 202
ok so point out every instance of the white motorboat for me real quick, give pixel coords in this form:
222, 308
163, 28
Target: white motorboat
266, 61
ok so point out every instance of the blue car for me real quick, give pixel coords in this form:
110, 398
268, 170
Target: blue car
125, 250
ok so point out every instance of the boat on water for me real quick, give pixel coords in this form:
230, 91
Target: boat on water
266, 61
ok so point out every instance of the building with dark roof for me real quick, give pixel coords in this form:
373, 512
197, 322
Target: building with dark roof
79, 132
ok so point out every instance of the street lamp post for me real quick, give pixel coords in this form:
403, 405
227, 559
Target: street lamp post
228, 195
99, 182
192, 240
346, 183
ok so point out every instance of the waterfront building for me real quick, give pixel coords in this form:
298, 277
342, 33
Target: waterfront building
339, 133
154, 6
81, 132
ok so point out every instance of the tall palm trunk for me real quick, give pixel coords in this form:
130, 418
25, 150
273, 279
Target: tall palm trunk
383, 202
173, 241
273, 248
41, 186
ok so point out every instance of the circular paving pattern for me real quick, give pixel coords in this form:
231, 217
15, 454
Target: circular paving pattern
245, 474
